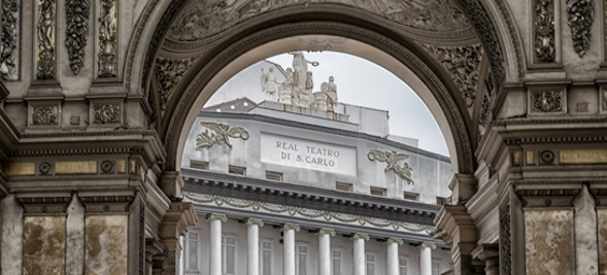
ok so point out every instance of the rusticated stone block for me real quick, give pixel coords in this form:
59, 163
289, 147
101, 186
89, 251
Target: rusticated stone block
549, 242
106, 245
43, 245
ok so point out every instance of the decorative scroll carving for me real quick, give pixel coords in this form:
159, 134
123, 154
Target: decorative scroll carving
220, 134
544, 31
463, 64
107, 63
169, 72
580, 15
46, 40
9, 16
505, 239
45, 115
106, 113
206, 18
547, 101
76, 33
395, 162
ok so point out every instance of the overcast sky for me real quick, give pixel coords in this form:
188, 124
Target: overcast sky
361, 82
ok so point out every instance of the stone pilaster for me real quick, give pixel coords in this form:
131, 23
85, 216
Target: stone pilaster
75, 238
456, 226
174, 224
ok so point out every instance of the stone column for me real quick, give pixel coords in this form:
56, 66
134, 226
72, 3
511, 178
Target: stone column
215, 239
253, 226
393, 267
181, 256
360, 261
425, 259
324, 247
289, 248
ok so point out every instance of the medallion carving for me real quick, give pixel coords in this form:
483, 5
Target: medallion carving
395, 162
219, 134
545, 50
168, 73
107, 63
580, 15
205, 18
76, 33
9, 16
547, 101
463, 64
106, 113
45, 115
45, 31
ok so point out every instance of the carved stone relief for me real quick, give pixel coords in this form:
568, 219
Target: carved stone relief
547, 101
45, 31
395, 162
545, 51
106, 113
463, 64
205, 18
505, 239
580, 15
107, 52
219, 134
45, 115
76, 33
9, 19
168, 73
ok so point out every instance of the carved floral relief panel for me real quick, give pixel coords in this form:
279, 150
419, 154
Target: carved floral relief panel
46, 24
45, 115
76, 34
580, 16
547, 101
544, 31
9, 39
549, 241
107, 39
168, 73
43, 245
106, 113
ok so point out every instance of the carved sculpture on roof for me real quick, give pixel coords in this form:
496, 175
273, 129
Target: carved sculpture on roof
168, 73
463, 64
77, 28
45, 30
107, 62
9, 16
580, 15
395, 162
219, 134
545, 51
205, 18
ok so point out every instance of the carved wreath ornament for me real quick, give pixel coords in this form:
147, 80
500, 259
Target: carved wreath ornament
219, 134
395, 162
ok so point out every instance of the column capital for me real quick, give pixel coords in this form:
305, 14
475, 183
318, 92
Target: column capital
429, 245
329, 231
395, 240
219, 217
291, 226
363, 236
255, 221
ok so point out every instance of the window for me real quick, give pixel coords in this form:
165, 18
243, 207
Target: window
441, 201
199, 164
273, 175
402, 262
229, 255
411, 196
378, 191
266, 257
237, 170
344, 186
192, 251
336, 262
301, 259
370, 264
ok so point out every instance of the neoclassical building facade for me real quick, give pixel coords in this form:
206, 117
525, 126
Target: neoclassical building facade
97, 97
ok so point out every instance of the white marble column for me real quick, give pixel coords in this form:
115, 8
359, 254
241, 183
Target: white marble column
181, 266
360, 260
392, 267
253, 226
324, 247
289, 248
425, 259
215, 221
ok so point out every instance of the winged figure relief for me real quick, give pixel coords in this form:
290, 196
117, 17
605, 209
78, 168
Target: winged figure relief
219, 134
395, 162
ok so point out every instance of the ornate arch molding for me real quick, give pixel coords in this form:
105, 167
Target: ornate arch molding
406, 52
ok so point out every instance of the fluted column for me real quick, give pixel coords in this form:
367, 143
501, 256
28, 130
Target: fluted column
253, 226
360, 260
289, 248
216, 221
392, 256
324, 246
426, 259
